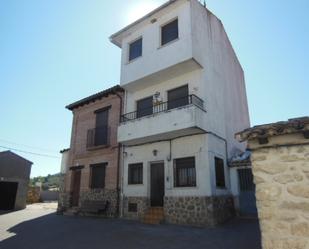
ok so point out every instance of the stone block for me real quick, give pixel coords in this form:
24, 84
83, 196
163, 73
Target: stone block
299, 190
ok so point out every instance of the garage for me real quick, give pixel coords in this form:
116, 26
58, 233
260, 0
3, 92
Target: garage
14, 180
8, 192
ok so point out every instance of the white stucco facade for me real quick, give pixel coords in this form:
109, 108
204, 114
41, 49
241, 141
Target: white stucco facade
202, 58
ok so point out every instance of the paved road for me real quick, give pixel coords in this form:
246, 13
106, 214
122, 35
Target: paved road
38, 227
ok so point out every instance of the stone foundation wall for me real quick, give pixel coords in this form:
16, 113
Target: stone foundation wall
63, 202
143, 203
281, 175
110, 195
198, 211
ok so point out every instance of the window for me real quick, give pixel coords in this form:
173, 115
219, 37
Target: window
100, 133
135, 173
178, 97
98, 175
219, 168
132, 207
185, 175
169, 32
135, 49
144, 107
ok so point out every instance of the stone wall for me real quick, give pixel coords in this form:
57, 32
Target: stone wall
63, 202
110, 195
198, 211
281, 175
143, 203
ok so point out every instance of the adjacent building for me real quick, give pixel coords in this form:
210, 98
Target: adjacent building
14, 180
185, 98
90, 166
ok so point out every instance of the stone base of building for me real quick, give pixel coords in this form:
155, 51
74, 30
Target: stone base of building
135, 207
198, 211
63, 202
110, 195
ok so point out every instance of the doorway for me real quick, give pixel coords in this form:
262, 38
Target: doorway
8, 192
76, 176
247, 201
157, 184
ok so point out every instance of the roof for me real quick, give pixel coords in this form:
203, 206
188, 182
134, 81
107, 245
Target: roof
64, 150
243, 159
95, 97
113, 37
295, 125
10, 153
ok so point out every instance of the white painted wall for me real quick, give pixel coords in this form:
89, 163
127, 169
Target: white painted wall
223, 83
183, 147
156, 57
219, 81
164, 125
64, 162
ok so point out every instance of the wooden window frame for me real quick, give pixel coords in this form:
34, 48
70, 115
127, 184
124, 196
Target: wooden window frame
92, 166
162, 29
135, 166
189, 182
129, 49
220, 179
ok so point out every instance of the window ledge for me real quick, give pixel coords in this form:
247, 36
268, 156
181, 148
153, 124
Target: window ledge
98, 147
133, 60
166, 44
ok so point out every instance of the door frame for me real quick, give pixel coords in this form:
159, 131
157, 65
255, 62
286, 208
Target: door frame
73, 172
149, 177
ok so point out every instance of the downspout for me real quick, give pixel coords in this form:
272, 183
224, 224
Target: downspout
119, 153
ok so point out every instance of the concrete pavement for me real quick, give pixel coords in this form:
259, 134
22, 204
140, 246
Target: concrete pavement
39, 227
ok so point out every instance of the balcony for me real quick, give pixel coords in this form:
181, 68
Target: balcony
98, 138
162, 121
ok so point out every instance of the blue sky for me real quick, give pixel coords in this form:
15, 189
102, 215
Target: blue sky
55, 52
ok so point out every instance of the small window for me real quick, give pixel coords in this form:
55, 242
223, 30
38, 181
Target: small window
144, 107
135, 173
185, 175
132, 207
219, 168
169, 32
98, 175
135, 49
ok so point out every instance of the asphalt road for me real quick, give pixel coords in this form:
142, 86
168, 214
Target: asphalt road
38, 227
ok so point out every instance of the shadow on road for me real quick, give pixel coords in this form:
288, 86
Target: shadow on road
58, 232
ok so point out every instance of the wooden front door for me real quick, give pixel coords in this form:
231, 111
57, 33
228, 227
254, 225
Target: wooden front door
157, 184
76, 175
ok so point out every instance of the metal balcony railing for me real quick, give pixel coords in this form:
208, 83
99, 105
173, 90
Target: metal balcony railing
98, 137
164, 106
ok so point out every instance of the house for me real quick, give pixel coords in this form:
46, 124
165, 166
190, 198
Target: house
14, 180
185, 98
90, 166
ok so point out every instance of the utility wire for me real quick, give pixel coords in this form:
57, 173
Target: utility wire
29, 152
32, 147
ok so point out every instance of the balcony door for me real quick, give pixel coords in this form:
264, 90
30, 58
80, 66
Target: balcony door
100, 137
144, 107
178, 97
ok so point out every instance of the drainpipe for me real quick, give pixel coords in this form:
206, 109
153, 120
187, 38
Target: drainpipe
119, 153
